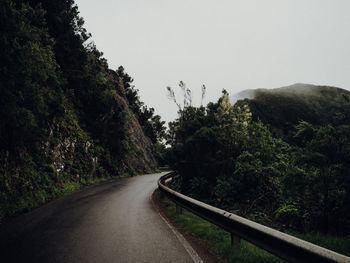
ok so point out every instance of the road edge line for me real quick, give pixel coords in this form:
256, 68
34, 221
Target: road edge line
190, 250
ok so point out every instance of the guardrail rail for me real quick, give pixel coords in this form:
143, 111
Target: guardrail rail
287, 247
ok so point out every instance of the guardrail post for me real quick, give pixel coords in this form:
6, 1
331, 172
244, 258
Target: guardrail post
235, 239
161, 194
178, 209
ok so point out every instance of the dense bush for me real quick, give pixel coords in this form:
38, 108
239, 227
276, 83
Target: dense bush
228, 158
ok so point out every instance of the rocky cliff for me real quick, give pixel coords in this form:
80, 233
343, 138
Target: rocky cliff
65, 118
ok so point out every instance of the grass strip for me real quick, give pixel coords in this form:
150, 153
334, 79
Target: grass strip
335, 243
214, 237
34, 200
245, 252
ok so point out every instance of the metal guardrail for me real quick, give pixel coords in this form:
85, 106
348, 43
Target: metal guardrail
287, 247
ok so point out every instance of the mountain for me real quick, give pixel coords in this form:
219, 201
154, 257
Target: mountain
285, 107
244, 94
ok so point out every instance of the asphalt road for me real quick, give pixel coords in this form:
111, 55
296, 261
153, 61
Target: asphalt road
112, 222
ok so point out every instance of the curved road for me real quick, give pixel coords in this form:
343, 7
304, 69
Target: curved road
111, 222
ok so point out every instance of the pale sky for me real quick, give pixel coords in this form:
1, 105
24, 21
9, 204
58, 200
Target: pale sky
231, 44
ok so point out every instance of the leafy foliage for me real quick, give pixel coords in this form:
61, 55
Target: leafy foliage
231, 159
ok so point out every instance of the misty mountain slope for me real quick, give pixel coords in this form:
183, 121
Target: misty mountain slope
285, 107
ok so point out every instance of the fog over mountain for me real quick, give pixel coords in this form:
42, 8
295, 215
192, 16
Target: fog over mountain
283, 108
297, 89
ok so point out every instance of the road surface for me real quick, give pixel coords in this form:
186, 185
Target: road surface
112, 222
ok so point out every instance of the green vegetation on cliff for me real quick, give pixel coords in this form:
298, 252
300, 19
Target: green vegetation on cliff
66, 119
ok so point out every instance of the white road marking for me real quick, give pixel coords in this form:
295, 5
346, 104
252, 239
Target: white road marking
195, 257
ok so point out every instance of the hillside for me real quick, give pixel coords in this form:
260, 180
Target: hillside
285, 107
67, 119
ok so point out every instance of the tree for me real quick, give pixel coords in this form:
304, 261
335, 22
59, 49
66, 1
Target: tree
325, 158
30, 85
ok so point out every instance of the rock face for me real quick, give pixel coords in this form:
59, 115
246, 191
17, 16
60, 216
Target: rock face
63, 150
140, 157
68, 145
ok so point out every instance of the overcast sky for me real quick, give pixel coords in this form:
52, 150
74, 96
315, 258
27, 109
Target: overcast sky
231, 44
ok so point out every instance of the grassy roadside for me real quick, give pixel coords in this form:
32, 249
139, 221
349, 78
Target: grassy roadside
337, 244
58, 191
42, 197
214, 237
219, 240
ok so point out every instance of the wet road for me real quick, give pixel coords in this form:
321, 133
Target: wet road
112, 222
